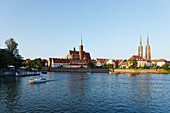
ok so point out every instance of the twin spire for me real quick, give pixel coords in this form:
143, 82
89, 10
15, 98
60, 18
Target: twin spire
140, 48
147, 39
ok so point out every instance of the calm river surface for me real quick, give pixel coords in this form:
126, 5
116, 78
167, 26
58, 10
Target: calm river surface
82, 92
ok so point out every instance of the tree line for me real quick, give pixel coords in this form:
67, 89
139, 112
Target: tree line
10, 55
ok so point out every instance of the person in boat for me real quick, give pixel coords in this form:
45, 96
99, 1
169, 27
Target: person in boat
32, 79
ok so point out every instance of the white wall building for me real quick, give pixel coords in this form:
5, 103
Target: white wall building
56, 62
159, 62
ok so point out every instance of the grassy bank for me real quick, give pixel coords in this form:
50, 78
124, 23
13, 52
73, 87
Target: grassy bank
167, 71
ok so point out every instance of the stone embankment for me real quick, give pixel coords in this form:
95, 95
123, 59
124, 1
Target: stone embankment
81, 70
136, 70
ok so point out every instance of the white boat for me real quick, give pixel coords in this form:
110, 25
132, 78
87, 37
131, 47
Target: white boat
37, 80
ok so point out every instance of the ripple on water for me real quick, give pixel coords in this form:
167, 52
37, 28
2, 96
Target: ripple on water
81, 92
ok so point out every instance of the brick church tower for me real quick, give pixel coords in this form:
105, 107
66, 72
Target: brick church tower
148, 50
140, 48
81, 50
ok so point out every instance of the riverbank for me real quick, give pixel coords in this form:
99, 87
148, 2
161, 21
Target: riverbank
136, 70
84, 70
81, 70
163, 70
18, 73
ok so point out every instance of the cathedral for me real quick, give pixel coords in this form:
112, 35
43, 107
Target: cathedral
148, 50
78, 55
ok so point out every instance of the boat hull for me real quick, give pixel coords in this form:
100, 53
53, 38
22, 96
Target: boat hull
36, 81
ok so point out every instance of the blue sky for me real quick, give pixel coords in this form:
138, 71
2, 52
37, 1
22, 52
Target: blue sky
110, 28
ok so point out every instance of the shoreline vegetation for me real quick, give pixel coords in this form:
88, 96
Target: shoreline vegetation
163, 70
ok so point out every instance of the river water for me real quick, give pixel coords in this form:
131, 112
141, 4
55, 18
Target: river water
84, 92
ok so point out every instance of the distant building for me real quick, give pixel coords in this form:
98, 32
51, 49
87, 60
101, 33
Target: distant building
123, 64
74, 59
79, 55
149, 63
27, 60
140, 48
148, 50
45, 61
101, 62
141, 62
57, 62
77, 64
159, 62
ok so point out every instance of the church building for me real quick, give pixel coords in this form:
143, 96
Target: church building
78, 55
148, 50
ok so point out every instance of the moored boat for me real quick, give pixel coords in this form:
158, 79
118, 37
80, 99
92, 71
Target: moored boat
44, 72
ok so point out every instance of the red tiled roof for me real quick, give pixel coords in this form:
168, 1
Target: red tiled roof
138, 58
28, 60
102, 60
59, 60
159, 60
85, 54
148, 60
123, 63
119, 60
44, 60
93, 60
106, 60
78, 64
74, 52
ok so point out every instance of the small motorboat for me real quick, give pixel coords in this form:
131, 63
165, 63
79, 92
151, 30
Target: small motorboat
37, 80
88, 73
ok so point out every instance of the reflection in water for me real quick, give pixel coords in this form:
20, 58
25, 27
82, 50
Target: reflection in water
11, 96
141, 86
77, 84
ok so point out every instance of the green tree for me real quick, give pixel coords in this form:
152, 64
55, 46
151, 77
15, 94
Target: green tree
116, 64
35, 63
146, 67
91, 64
166, 66
132, 63
12, 46
6, 58
109, 66
10, 55
125, 60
